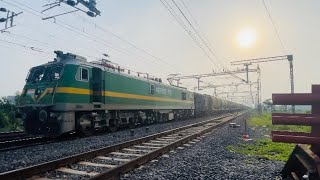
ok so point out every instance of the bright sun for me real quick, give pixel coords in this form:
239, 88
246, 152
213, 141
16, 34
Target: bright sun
247, 37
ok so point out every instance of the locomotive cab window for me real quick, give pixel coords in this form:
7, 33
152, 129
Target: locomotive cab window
184, 96
152, 89
44, 74
82, 74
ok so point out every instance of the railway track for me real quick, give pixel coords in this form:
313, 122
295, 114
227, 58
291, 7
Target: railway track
22, 142
4, 136
18, 139
109, 162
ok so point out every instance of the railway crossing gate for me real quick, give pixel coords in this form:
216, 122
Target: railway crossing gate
304, 161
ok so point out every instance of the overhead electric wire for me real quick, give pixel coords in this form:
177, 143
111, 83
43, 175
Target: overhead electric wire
197, 24
178, 19
54, 46
126, 41
24, 50
181, 23
213, 53
202, 39
172, 12
122, 39
51, 46
208, 45
92, 37
78, 31
31, 48
274, 26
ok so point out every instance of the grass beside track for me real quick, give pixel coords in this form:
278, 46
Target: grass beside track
264, 147
265, 121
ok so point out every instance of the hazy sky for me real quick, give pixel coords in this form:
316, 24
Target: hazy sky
167, 47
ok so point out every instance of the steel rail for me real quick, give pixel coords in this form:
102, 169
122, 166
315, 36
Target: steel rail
13, 134
18, 139
115, 172
21, 142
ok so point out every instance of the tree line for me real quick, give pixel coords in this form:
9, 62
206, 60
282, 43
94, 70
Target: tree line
6, 110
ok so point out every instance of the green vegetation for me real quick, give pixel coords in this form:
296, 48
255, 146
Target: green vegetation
265, 121
264, 147
5, 123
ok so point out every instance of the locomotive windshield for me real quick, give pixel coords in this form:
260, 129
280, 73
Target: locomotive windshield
44, 74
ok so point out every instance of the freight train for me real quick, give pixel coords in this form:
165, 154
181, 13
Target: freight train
71, 94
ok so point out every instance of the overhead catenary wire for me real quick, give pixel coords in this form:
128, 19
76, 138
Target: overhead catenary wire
211, 45
24, 51
53, 46
180, 21
39, 50
73, 29
76, 30
195, 30
274, 26
30, 49
48, 45
121, 39
208, 45
172, 12
79, 31
24, 46
202, 39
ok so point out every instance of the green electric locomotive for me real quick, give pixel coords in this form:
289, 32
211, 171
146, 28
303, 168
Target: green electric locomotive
70, 94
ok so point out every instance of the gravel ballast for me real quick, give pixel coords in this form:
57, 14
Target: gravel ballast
25, 157
209, 159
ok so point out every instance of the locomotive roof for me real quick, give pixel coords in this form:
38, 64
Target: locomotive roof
73, 59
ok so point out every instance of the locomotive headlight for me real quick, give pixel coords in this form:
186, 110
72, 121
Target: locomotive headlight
43, 116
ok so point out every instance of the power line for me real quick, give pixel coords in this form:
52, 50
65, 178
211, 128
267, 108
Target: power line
198, 26
178, 19
172, 12
211, 49
194, 30
32, 48
40, 42
181, 23
122, 39
91, 37
52, 47
78, 31
274, 26
26, 51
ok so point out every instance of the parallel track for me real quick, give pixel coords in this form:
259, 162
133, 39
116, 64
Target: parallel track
4, 136
19, 139
120, 158
22, 142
